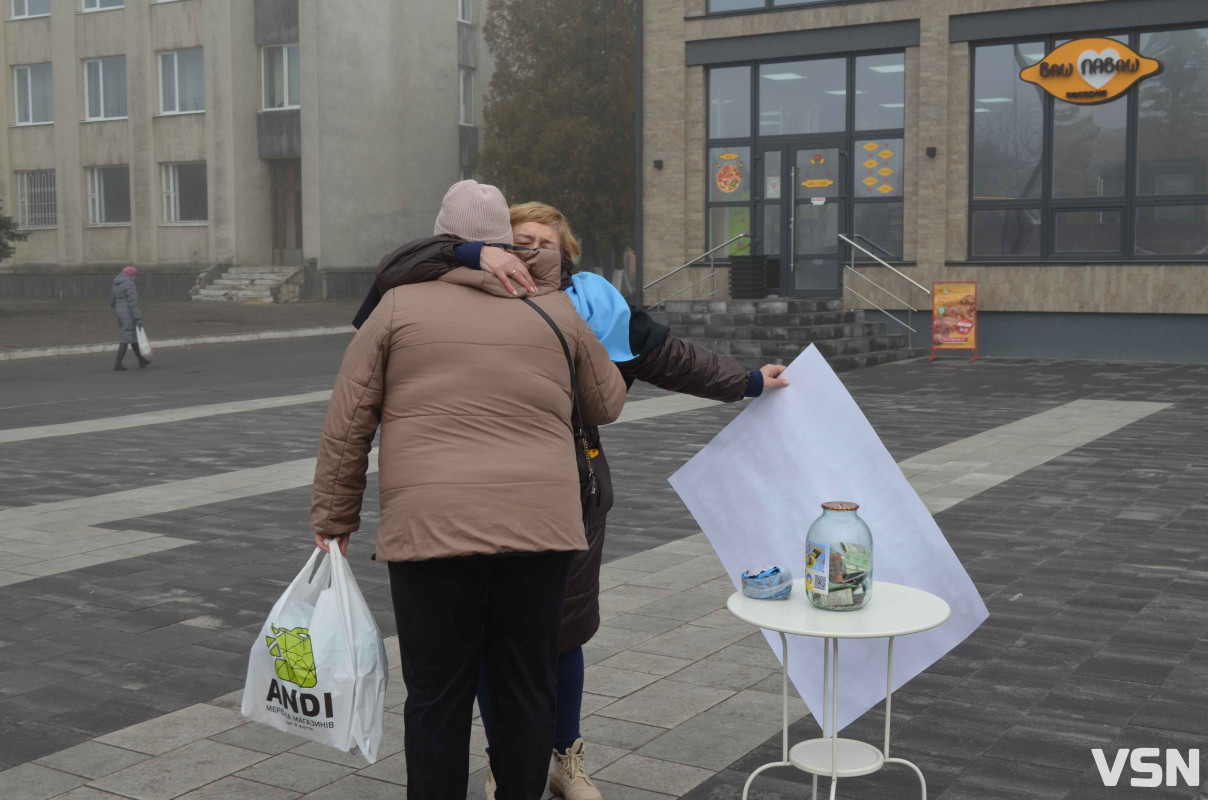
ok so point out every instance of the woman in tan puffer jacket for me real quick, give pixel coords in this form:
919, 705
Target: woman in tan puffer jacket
480, 508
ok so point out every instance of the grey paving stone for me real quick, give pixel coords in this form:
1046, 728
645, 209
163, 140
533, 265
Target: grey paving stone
36, 782
615, 682
236, 789
87, 793
761, 706
689, 641
722, 674
653, 775
179, 771
1131, 664
359, 787
711, 740
617, 733
615, 791
261, 738
290, 771
665, 703
171, 731
92, 760
394, 769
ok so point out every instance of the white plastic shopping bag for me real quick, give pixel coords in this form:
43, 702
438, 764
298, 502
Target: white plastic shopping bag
144, 344
318, 669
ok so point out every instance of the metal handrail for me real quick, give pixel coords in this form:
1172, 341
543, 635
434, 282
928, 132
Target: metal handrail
884, 263
687, 264
883, 311
874, 244
686, 288
879, 286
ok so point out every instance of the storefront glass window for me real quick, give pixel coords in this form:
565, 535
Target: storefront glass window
1008, 123
881, 223
718, 6
1172, 125
803, 97
730, 168
880, 92
877, 168
730, 103
726, 222
1010, 232
1172, 231
1140, 157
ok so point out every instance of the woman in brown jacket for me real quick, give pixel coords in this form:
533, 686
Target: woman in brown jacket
643, 350
480, 506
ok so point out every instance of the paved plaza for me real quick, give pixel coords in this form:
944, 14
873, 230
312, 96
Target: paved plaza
149, 520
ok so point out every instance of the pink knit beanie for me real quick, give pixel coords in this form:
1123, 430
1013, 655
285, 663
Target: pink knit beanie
132, 271
476, 212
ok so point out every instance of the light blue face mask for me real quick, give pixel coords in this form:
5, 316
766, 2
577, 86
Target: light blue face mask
769, 583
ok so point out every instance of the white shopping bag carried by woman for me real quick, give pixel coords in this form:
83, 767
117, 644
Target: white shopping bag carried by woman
144, 344
318, 669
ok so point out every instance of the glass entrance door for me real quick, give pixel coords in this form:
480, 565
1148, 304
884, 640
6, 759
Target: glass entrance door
802, 200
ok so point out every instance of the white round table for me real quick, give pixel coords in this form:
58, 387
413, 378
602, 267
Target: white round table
893, 610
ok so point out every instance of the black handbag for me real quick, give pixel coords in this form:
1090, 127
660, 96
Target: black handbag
589, 484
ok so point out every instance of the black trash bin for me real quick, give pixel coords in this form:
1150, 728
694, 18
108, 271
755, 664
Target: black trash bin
753, 277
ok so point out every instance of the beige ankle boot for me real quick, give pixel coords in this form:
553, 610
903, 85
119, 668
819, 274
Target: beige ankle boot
490, 787
569, 779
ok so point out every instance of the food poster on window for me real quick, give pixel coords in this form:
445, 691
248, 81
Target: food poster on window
954, 317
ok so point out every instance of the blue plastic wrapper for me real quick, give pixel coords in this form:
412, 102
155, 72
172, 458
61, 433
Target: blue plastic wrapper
769, 583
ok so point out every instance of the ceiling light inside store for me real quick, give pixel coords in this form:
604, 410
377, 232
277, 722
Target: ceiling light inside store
841, 92
995, 100
892, 105
885, 69
783, 76
981, 111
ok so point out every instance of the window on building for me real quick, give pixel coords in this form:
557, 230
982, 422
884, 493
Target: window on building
722, 6
185, 197
282, 76
108, 195
1125, 179
33, 89
466, 95
465, 11
105, 88
22, 9
101, 5
37, 205
770, 121
182, 81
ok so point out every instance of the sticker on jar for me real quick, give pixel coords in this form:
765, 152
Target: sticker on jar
817, 572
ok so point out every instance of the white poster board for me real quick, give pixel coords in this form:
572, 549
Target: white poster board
755, 489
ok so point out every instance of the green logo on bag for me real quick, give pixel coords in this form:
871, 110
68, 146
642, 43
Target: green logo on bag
295, 660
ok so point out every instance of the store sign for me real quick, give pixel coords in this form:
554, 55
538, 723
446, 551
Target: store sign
1090, 71
729, 173
954, 317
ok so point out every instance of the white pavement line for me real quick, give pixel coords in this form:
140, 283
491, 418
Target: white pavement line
638, 409
28, 554
958, 471
661, 406
159, 344
158, 417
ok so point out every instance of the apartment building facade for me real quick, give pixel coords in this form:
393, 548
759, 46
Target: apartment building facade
940, 135
179, 134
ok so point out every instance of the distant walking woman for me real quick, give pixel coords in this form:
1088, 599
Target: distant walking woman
124, 302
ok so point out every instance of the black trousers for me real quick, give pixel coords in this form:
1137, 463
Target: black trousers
454, 615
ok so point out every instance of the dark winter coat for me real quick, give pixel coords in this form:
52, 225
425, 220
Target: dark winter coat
124, 302
663, 360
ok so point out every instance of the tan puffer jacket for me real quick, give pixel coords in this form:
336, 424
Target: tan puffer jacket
472, 392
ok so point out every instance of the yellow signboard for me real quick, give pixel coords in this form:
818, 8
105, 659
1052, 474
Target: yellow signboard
1090, 71
954, 317
817, 183
869, 181
870, 146
885, 172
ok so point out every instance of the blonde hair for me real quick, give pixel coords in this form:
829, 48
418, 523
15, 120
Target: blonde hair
548, 215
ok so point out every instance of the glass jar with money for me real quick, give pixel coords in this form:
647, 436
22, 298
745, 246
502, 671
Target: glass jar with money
838, 559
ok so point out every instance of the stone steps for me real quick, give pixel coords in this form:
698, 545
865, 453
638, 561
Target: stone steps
758, 332
251, 284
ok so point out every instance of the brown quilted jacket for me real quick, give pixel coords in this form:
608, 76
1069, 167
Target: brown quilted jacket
472, 393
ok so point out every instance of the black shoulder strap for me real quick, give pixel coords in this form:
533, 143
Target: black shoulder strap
570, 362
